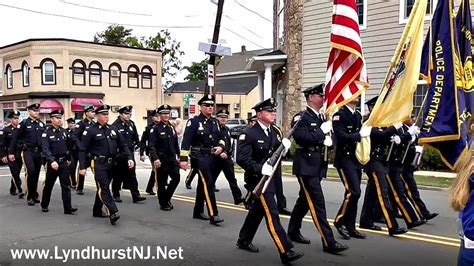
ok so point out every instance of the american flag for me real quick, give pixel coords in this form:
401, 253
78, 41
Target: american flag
346, 76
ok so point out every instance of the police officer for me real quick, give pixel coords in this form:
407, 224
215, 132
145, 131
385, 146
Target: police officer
347, 123
144, 149
203, 137
127, 176
15, 166
256, 146
27, 139
252, 120
377, 187
311, 135
81, 126
192, 173
71, 125
55, 141
164, 152
103, 142
224, 160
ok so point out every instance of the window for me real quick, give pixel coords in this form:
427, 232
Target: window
48, 72
115, 73
147, 74
406, 6
9, 73
132, 76
25, 74
78, 72
95, 74
420, 93
362, 13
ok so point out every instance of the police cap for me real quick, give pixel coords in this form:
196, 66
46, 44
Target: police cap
266, 105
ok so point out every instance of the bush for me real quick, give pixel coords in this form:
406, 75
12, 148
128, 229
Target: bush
431, 160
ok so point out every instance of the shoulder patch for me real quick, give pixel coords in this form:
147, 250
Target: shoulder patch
335, 118
242, 136
151, 130
84, 133
44, 135
188, 123
296, 118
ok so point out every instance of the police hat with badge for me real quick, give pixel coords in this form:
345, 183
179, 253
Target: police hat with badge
103, 109
315, 90
223, 113
33, 107
163, 109
14, 114
70, 120
127, 109
267, 105
253, 118
372, 101
56, 114
207, 99
88, 108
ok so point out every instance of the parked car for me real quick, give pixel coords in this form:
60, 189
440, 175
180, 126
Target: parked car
234, 122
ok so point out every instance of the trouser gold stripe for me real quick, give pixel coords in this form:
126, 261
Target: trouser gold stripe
348, 196
410, 195
275, 236
397, 199
99, 188
156, 182
45, 178
26, 173
382, 204
206, 194
313, 213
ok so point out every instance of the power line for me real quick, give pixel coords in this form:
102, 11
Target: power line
249, 30
231, 31
104, 9
102, 22
252, 11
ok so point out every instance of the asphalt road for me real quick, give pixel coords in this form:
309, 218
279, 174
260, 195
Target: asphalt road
182, 240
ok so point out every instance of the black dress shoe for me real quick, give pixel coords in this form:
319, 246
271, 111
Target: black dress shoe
114, 218
416, 223
299, 238
31, 202
171, 205
138, 199
356, 234
336, 248
290, 256
431, 216
165, 208
247, 246
117, 199
37, 201
380, 220
216, 190
79, 192
215, 220
73, 187
284, 211
201, 216
44, 210
343, 232
151, 193
188, 186
397, 231
70, 211
238, 201
13, 193
371, 227
21, 195
100, 215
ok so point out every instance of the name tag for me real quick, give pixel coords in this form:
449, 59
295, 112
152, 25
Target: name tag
260, 141
120, 130
314, 124
98, 135
468, 243
51, 137
162, 133
28, 126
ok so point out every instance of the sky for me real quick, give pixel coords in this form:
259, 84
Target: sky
244, 22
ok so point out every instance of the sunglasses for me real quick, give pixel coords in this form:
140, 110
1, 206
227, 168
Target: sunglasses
208, 105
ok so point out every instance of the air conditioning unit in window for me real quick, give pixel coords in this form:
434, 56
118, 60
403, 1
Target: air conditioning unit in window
236, 106
114, 72
115, 108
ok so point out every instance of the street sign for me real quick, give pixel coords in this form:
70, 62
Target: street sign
210, 75
214, 49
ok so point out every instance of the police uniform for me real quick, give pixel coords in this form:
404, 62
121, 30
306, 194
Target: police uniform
347, 124
201, 136
27, 140
103, 143
163, 146
74, 151
227, 165
55, 142
307, 161
6, 137
123, 174
81, 126
144, 150
192, 173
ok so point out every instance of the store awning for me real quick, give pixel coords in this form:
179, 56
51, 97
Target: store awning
79, 104
49, 105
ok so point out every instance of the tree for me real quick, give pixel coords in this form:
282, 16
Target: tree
169, 47
197, 70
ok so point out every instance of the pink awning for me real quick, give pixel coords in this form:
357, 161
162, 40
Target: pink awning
49, 105
79, 104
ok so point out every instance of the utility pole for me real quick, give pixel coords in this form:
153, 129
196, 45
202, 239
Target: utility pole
276, 23
212, 58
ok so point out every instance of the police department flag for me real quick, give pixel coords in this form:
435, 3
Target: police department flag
442, 124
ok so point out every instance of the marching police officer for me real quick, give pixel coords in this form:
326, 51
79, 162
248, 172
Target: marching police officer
203, 137
251, 121
81, 126
225, 162
192, 173
15, 166
311, 136
71, 125
144, 149
377, 187
103, 142
127, 176
347, 123
55, 141
256, 146
164, 151
27, 139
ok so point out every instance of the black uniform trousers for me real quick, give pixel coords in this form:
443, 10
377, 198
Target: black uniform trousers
51, 176
102, 175
411, 190
73, 168
15, 170
311, 199
151, 181
32, 161
205, 187
266, 207
168, 169
397, 195
377, 191
280, 197
350, 175
125, 175
227, 166
192, 173
81, 178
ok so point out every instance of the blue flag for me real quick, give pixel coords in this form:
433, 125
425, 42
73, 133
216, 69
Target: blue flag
442, 126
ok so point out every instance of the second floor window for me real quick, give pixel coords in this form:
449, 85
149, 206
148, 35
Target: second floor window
133, 76
25, 74
9, 77
147, 77
48, 69
78, 72
114, 75
95, 74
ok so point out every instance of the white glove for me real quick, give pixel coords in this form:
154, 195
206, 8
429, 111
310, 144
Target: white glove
413, 138
267, 169
396, 139
418, 149
365, 132
326, 126
414, 130
327, 141
398, 125
287, 144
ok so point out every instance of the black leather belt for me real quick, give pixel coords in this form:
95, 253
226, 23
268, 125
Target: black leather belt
61, 159
103, 159
310, 149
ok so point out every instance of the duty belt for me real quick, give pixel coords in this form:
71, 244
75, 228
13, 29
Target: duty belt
103, 159
60, 159
29, 148
201, 150
311, 148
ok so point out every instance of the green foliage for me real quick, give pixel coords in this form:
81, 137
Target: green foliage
431, 160
197, 70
